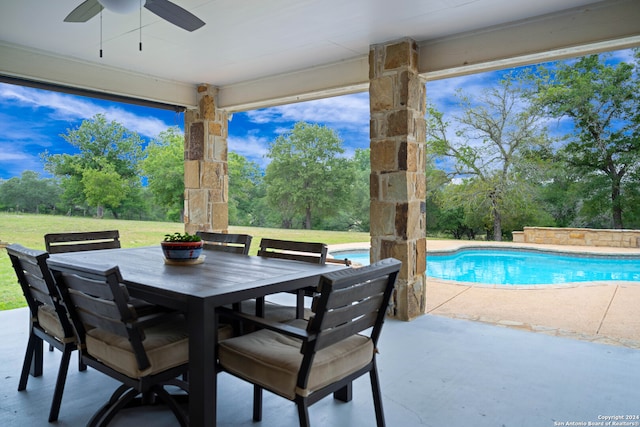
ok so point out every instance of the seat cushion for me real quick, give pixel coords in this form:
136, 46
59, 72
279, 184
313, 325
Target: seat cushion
50, 322
272, 360
166, 344
225, 331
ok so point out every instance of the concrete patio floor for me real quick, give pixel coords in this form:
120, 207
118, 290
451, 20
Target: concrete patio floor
435, 371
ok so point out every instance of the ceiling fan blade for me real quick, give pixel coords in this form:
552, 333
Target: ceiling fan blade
174, 14
87, 10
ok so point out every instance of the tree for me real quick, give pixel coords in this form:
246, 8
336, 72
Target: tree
491, 133
602, 101
30, 193
106, 149
360, 195
164, 168
104, 187
436, 182
306, 176
245, 182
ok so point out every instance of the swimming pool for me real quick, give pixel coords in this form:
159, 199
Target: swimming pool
521, 267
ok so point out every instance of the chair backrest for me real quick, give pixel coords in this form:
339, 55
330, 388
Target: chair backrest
57, 243
233, 243
97, 298
315, 253
38, 284
348, 302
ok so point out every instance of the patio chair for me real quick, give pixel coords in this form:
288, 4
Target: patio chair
315, 253
48, 319
304, 361
143, 353
57, 243
233, 243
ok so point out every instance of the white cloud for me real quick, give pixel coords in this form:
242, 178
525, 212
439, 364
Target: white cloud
349, 111
251, 146
13, 162
71, 108
146, 126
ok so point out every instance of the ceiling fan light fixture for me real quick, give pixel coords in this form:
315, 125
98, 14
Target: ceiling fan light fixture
121, 6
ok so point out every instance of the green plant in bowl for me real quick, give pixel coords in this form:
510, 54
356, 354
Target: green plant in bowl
181, 246
182, 237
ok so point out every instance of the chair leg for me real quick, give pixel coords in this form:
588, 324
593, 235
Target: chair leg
180, 414
37, 357
303, 413
257, 403
28, 365
62, 377
118, 400
345, 394
81, 366
377, 396
300, 304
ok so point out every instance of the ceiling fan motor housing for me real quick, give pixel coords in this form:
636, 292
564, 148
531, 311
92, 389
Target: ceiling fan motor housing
122, 6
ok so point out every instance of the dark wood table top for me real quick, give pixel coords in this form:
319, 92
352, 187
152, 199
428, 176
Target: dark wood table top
222, 277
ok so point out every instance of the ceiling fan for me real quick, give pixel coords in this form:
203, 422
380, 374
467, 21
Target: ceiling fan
163, 8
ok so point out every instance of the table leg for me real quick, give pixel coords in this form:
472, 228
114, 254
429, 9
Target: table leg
203, 335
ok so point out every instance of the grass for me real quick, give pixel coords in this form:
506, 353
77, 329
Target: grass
29, 230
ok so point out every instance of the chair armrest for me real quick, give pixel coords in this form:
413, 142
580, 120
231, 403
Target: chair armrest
282, 328
344, 261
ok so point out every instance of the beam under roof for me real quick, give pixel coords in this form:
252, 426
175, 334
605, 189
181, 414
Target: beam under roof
607, 25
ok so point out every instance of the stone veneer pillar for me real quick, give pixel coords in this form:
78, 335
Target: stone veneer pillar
205, 168
398, 182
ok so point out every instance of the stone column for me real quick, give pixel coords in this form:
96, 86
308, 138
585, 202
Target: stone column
206, 174
398, 182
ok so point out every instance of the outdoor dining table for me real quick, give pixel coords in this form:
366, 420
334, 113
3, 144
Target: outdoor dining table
222, 278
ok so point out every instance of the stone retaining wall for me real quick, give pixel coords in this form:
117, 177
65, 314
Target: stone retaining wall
578, 237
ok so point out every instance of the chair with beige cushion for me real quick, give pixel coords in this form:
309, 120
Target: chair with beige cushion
315, 253
224, 242
49, 320
143, 353
57, 243
304, 361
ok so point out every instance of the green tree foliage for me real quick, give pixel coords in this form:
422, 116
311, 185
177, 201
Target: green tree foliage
360, 194
602, 101
106, 149
436, 182
164, 168
245, 191
30, 193
306, 176
493, 132
104, 187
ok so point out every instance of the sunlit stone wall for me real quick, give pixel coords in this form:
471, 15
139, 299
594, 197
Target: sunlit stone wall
205, 166
579, 237
398, 183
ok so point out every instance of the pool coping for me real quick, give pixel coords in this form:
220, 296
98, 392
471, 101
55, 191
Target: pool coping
450, 298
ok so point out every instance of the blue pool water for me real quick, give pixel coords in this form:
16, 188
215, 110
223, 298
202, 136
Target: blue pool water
519, 267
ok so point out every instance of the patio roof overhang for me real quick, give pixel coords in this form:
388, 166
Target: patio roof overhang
261, 54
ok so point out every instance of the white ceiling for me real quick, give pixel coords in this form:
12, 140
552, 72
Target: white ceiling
314, 45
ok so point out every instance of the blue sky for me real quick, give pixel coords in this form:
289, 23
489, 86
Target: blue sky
32, 120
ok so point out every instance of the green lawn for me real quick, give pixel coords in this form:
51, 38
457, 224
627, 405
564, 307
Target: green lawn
28, 230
